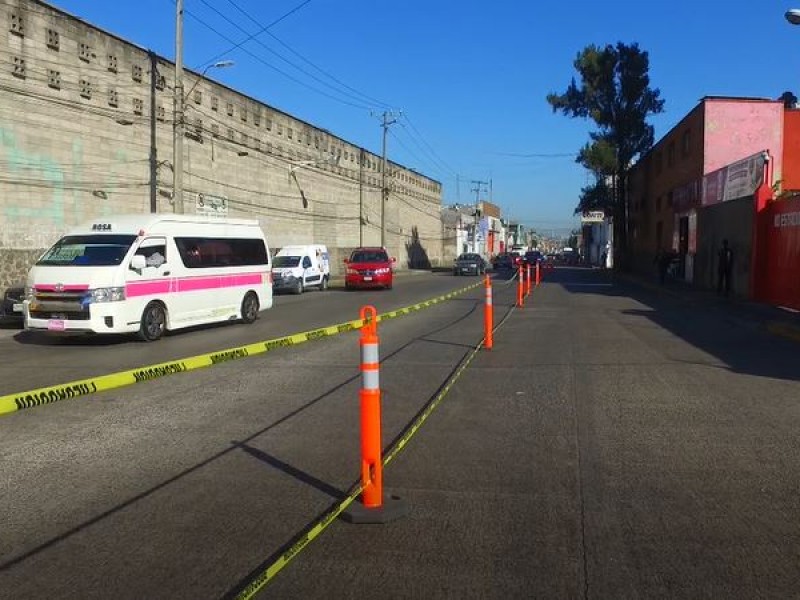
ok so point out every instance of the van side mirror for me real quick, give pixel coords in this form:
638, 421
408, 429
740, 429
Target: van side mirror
138, 262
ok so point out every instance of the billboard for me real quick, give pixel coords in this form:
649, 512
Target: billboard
735, 180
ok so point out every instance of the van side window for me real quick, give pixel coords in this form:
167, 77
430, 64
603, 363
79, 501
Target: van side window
198, 253
154, 251
306, 262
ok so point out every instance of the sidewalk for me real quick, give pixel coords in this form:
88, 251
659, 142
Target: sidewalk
777, 321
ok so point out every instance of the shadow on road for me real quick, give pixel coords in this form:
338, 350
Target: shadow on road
731, 331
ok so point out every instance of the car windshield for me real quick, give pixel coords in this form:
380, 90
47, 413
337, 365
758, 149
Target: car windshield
366, 256
286, 261
473, 257
88, 250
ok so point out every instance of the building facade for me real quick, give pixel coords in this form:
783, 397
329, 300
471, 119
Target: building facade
86, 130
666, 185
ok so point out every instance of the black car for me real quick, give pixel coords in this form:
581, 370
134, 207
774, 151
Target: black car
11, 307
469, 264
503, 261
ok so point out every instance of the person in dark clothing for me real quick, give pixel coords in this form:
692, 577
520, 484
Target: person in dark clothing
724, 268
663, 259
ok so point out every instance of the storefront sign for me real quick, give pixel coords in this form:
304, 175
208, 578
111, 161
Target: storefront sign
593, 216
735, 180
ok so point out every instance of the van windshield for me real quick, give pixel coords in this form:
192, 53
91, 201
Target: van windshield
88, 250
286, 261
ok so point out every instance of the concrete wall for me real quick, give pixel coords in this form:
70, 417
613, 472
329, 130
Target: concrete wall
75, 144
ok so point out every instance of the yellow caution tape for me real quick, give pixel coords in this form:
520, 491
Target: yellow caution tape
84, 387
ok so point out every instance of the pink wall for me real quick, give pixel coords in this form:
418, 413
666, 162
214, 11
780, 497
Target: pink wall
735, 129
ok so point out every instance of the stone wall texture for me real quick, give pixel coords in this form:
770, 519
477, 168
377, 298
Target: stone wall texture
75, 144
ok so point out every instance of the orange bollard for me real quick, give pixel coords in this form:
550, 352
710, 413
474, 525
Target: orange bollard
538, 275
370, 395
488, 315
528, 280
520, 283
372, 509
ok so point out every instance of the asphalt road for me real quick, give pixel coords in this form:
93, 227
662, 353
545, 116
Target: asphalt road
614, 444
33, 360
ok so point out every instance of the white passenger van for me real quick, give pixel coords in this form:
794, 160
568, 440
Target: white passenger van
297, 267
148, 274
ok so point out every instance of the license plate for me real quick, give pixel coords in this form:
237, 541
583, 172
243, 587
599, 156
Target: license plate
56, 325
367, 278
16, 307
465, 269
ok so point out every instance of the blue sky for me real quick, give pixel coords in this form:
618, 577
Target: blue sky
470, 76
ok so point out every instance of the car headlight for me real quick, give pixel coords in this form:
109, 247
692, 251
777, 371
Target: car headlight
112, 294
352, 271
382, 271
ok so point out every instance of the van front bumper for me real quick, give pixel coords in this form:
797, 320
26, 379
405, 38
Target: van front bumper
101, 319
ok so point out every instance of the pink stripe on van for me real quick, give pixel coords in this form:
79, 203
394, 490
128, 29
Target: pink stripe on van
190, 284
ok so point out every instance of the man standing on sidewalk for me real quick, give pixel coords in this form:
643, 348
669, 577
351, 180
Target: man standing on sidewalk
724, 268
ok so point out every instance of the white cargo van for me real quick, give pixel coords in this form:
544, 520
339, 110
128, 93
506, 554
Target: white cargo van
296, 268
148, 274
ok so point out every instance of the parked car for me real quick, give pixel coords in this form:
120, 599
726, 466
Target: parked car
11, 307
469, 264
532, 257
503, 261
369, 267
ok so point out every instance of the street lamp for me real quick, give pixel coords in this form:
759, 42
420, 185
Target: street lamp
331, 160
179, 125
793, 16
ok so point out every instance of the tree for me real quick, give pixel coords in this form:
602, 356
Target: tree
615, 93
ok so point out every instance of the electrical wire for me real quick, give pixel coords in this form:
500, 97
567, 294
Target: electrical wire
273, 67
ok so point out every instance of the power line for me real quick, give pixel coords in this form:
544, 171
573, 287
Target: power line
273, 67
279, 56
257, 33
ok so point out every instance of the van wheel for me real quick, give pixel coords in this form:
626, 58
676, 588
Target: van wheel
153, 323
324, 285
250, 307
300, 288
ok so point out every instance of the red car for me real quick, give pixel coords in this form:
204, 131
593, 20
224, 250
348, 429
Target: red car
369, 268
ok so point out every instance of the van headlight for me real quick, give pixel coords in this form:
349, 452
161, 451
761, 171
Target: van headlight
112, 294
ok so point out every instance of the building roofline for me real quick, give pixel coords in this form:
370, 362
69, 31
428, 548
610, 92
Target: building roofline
164, 59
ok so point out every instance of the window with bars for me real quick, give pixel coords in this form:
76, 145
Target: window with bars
17, 25
18, 67
198, 97
53, 39
113, 97
86, 88
229, 109
84, 52
215, 130
161, 82
268, 124
136, 73
214, 103
161, 114
289, 133
112, 63
54, 79
230, 134
243, 114
198, 128
138, 106
256, 119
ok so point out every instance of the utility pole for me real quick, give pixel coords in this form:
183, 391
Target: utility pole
361, 197
177, 139
477, 190
388, 119
153, 150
